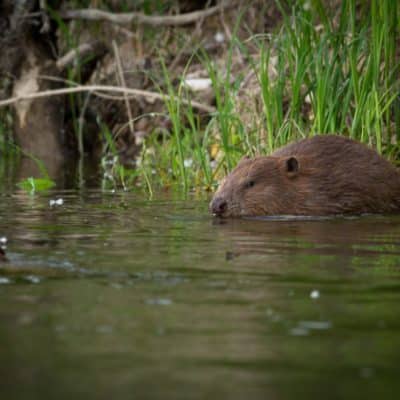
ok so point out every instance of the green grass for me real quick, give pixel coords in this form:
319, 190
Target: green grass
322, 71
334, 73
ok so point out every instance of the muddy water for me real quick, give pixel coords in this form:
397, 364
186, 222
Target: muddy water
109, 295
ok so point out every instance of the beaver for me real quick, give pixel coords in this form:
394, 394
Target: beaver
318, 176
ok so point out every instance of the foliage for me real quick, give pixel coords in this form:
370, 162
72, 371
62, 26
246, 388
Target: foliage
33, 185
322, 72
326, 69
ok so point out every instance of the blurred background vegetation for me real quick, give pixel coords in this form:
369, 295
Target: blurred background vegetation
239, 78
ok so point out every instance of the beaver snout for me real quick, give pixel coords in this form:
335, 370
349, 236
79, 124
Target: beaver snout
218, 206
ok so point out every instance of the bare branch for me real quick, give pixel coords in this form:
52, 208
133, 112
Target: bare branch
81, 51
151, 96
94, 14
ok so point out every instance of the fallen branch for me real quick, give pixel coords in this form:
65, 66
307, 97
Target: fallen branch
94, 14
79, 52
103, 88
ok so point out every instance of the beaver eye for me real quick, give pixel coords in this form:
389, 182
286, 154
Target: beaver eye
250, 184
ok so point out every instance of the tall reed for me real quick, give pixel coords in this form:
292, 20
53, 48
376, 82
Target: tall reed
324, 70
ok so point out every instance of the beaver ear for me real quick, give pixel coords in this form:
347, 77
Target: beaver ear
291, 166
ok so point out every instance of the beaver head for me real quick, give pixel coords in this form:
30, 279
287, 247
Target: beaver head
258, 186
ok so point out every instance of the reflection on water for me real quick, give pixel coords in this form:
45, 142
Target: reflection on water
108, 295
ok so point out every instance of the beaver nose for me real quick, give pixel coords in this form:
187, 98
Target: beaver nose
218, 206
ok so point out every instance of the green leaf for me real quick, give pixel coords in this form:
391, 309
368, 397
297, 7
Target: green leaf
33, 185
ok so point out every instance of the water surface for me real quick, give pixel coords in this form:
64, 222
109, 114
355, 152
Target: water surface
109, 295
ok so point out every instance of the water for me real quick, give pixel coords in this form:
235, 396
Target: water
109, 295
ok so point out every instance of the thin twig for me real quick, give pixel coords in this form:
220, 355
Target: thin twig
81, 121
45, 18
93, 88
189, 42
122, 82
152, 20
96, 93
82, 50
81, 149
122, 30
228, 34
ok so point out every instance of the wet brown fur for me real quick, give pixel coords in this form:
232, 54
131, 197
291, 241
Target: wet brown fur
323, 175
